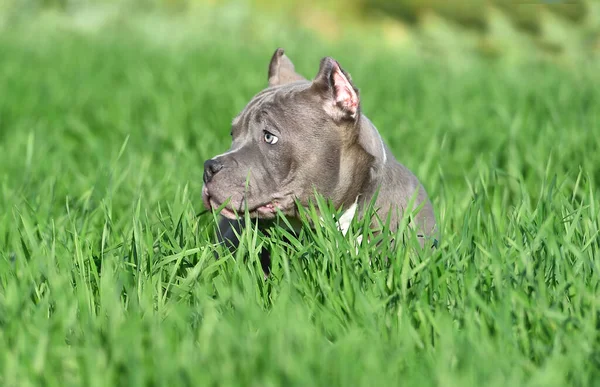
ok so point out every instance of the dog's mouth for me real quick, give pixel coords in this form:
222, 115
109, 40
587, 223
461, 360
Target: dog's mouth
264, 210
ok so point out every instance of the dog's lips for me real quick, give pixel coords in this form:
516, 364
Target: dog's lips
206, 198
226, 212
268, 209
265, 210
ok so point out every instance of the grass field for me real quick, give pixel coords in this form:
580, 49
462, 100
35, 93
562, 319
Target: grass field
107, 274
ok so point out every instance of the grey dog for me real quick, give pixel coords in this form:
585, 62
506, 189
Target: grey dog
298, 137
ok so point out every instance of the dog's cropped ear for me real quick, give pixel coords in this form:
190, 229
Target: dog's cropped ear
281, 69
339, 94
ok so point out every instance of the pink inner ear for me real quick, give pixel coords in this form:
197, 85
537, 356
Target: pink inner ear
345, 96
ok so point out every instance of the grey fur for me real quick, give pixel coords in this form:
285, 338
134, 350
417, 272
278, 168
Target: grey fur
323, 144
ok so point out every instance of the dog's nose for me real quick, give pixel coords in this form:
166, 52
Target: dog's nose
211, 167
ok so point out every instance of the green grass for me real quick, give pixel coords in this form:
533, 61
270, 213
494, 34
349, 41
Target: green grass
107, 274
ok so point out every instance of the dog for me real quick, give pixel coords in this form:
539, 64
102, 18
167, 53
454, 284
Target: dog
298, 137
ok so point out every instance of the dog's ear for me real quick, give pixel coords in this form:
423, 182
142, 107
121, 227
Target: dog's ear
281, 69
339, 94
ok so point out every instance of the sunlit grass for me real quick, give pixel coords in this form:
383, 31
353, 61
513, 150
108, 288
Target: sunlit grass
107, 273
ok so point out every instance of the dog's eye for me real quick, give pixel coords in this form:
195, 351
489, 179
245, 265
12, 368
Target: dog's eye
270, 138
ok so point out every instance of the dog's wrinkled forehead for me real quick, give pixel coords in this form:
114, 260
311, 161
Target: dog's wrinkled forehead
300, 106
274, 103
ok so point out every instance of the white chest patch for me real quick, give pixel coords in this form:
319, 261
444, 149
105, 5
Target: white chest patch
346, 219
343, 224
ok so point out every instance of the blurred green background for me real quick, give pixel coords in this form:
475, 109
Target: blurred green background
555, 29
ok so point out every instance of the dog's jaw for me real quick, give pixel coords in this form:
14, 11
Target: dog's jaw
267, 210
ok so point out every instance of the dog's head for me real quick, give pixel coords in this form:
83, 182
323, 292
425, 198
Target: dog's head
291, 139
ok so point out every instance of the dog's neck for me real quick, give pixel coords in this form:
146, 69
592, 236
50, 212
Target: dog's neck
362, 164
